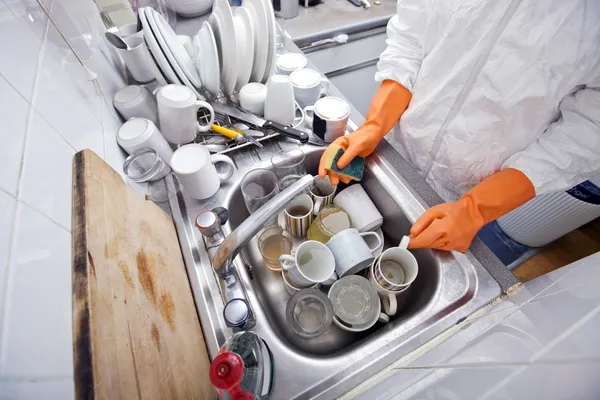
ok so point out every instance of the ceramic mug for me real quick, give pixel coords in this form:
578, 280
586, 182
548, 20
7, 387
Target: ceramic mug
322, 194
290, 287
351, 252
312, 263
364, 216
252, 98
136, 101
280, 105
289, 62
195, 167
396, 268
388, 298
137, 58
178, 114
308, 85
328, 118
298, 215
141, 133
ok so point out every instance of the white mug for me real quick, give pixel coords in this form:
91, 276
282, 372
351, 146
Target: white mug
322, 194
312, 263
280, 105
137, 59
289, 62
136, 101
351, 252
141, 133
129, 30
328, 118
364, 216
396, 268
252, 98
194, 166
309, 85
388, 298
178, 114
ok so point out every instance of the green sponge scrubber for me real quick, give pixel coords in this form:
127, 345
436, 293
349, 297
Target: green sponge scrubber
354, 170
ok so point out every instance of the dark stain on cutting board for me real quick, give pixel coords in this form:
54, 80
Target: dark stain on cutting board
155, 335
167, 309
145, 265
125, 270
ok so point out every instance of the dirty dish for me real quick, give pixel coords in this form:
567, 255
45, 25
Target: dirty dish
289, 162
272, 243
359, 206
389, 298
322, 193
309, 313
331, 220
371, 242
258, 187
312, 263
290, 287
298, 215
351, 252
396, 268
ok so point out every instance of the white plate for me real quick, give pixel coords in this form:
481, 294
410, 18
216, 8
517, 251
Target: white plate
159, 57
163, 46
261, 38
245, 45
207, 58
272, 48
222, 24
177, 50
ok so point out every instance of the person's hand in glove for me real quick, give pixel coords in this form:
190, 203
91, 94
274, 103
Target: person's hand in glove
385, 110
452, 226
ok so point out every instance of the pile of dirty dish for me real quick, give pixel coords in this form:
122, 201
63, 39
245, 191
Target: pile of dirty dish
328, 248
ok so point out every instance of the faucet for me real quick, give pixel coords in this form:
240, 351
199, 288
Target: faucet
238, 313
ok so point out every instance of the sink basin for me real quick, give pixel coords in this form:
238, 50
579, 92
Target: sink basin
449, 286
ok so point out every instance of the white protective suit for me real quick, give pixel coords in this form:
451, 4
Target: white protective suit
497, 84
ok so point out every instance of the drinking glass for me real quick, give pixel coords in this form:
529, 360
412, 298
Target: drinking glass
288, 166
146, 166
258, 187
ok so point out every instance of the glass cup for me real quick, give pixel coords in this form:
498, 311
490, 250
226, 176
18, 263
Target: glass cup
330, 221
145, 166
272, 243
258, 187
288, 166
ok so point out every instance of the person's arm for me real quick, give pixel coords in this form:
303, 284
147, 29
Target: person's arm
566, 154
398, 67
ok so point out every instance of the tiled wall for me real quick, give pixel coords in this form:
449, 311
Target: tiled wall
48, 111
542, 342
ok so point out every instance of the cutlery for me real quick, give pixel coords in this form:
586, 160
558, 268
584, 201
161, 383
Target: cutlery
116, 40
235, 135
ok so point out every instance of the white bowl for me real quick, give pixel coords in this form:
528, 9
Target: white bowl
191, 8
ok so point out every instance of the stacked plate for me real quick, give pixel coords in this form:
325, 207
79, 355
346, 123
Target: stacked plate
234, 47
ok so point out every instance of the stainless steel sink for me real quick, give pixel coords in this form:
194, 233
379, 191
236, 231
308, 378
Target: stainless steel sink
449, 286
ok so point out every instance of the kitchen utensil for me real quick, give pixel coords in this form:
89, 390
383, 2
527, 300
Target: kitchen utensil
260, 123
290, 162
351, 252
258, 20
118, 236
308, 312
222, 24
247, 131
356, 3
244, 35
177, 113
272, 243
235, 135
287, 63
279, 104
290, 287
308, 85
312, 263
136, 101
108, 23
199, 172
298, 215
396, 268
163, 72
359, 206
355, 302
322, 193
116, 41
137, 58
140, 133
330, 221
252, 98
207, 58
389, 298
328, 118
258, 187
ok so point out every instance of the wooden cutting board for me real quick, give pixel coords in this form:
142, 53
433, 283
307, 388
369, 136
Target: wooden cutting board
136, 334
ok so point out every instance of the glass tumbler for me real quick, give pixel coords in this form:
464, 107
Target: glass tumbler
258, 187
146, 166
288, 166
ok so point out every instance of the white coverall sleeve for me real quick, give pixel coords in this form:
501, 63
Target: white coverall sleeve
401, 60
568, 152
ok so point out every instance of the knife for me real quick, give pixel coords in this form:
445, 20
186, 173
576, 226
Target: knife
258, 122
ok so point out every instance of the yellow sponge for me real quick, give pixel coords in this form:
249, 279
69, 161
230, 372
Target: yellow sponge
354, 170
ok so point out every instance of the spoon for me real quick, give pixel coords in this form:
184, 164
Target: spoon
116, 41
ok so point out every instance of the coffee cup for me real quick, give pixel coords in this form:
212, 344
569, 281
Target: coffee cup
136, 101
389, 298
298, 215
328, 118
351, 252
137, 58
396, 268
364, 216
290, 287
287, 63
195, 167
322, 194
308, 85
178, 114
312, 263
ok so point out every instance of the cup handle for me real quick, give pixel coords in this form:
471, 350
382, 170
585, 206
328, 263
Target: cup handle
308, 111
383, 318
286, 257
216, 158
324, 86
404, 242
205, 128
390, 304
316, 207
372, 234
299, 122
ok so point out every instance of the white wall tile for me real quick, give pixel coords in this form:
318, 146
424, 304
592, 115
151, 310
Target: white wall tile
30, 12
13, 120
19, 57
7, 216
61, 389
37, 338
583, 343
47, 172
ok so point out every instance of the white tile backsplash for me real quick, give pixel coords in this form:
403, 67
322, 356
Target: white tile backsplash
37, 338
7, 216
59, 389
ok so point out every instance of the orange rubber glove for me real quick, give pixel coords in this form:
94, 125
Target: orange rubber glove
385, 110
452, 226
